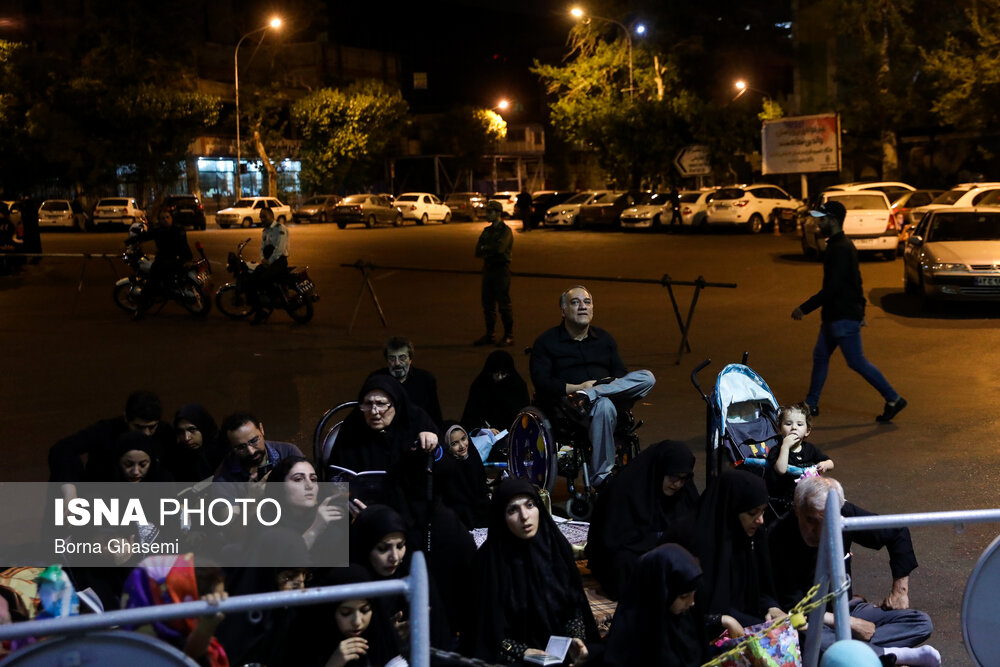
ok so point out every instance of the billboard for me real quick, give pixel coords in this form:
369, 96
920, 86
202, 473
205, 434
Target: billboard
801, 145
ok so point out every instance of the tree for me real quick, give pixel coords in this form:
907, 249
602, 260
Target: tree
630, 131
346, 133
468, 133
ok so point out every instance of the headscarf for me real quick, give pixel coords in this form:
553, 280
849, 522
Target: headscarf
495, 403
633, 515
369, 528
463, 483
194, 465
644, 631
526, 590
166, 580
139, 441
737, 567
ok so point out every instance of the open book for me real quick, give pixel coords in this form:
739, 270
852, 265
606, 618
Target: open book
555, 652
369, 486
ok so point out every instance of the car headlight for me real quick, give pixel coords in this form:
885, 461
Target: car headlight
946, 267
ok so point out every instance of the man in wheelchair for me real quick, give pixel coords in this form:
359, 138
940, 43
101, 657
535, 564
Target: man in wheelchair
576, 367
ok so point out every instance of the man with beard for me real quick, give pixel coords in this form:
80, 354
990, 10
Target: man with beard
420, 385
251, 458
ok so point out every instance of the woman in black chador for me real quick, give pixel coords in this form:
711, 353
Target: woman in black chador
650, 502
527, 586
497, 394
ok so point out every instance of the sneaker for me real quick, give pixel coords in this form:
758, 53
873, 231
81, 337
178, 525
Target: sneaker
506, 341
891, 410
813, 409
577, 404
485, 339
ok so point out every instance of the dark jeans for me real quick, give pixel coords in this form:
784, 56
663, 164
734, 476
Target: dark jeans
845, 334
496, 296
262, 278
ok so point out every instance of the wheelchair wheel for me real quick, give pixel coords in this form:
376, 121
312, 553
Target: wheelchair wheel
532, 449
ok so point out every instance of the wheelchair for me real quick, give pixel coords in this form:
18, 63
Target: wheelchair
325, 436
541, 449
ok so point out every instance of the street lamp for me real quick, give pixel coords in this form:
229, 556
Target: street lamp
743, 87
578, 13
273, 24
503, 105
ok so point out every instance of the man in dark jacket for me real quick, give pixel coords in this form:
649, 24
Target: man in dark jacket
843, 311
494, 246
172, 251
420, 385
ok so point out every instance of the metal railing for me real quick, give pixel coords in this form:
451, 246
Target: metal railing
414, 587
831, 571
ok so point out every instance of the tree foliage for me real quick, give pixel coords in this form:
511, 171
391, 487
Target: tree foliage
345, 133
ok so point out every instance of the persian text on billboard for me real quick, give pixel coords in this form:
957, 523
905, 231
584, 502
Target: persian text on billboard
801, 144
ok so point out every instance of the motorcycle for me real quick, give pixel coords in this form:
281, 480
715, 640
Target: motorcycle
294, 292
186, 288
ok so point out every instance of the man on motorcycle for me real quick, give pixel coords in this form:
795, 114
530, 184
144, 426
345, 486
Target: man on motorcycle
273, 264
172, 251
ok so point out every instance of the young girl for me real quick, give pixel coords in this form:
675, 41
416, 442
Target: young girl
795, 426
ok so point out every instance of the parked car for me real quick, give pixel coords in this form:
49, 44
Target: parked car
869, 223
892, 189
246, 212
186, 209
901, 209
421, 207
318, 208
965, 194
468, 205
606, 210
60, 213
367, 210
954, 253
751, 206
543, 200
117, 211
565, 214
694, 206
655, 211
507, 199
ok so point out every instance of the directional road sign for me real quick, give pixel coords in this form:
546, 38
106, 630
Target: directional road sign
693, 161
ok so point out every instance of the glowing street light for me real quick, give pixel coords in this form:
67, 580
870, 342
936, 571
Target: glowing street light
578, 13
503, 105
742, 86
273, 24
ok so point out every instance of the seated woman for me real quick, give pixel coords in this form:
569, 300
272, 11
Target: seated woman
497, 394
654, 623
462, 478
294, 483
136, 461
737, 589
650, 502
527, 586
199, 450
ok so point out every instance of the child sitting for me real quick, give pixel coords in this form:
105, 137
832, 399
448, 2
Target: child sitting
794, 453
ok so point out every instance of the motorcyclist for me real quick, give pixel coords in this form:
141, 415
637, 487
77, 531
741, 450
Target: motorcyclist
172, 251
273, 264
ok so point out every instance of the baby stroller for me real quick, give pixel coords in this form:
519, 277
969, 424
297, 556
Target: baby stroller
741, 419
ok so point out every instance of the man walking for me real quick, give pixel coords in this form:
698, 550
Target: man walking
494, 246
843, 311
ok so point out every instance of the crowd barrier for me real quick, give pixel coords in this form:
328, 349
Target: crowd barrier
414, 587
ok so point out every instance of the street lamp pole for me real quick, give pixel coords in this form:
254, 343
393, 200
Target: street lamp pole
273, 23
579, 13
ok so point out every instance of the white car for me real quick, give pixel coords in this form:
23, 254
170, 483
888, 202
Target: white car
246, 212
954, 253
965, 194
117, 211
694, 206
652, 214
565, 214
421, 207
870, 223
59, 213
752, 206
508, 200
892, 189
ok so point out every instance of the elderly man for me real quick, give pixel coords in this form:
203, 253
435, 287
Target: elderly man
420, 385
891, 627
578, 365
251, 458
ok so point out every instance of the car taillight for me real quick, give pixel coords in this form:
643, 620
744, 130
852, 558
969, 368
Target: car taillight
413, 207
686, 211
891, 224
200, 207
742, 203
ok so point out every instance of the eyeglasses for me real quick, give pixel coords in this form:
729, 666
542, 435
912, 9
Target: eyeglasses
375, 406
249, 444
401, 358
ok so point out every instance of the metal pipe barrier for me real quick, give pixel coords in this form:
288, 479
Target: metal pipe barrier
831, 571
414, 587
367, 268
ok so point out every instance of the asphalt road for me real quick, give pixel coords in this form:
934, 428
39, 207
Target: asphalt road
72, 357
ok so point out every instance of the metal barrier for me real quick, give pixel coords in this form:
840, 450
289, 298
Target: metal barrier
414, 587
699, 284
831, 572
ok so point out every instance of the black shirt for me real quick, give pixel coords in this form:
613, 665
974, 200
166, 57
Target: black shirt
783, 486
97, 442
558, 359
842, 296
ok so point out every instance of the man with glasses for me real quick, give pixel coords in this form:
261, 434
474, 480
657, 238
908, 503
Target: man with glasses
420, 385
251, 457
